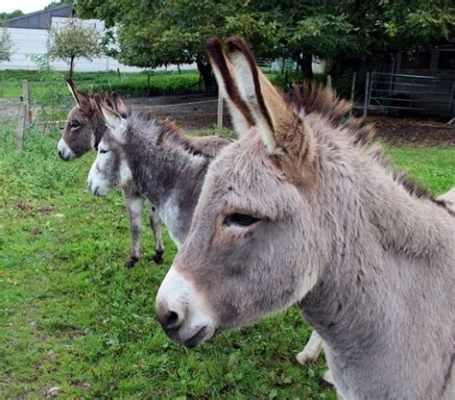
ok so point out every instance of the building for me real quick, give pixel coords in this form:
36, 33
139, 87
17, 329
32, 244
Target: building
30, 38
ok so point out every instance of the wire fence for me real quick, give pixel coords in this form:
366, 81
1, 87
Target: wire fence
35, 107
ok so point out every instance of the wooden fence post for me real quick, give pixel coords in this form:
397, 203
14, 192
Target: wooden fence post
24, 115
219, 121
21, 126
26, 97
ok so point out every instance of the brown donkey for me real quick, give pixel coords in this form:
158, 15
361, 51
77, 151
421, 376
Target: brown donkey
84, 129
302, 211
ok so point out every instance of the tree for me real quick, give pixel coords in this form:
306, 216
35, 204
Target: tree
385, 26
59, 3
5, 45
73, 40
4, 16
344, 31
163, 32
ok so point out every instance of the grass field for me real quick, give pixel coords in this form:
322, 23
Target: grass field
132, 84
72, 317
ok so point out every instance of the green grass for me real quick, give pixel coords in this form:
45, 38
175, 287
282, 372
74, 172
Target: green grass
131, 84
72, 316
433, 167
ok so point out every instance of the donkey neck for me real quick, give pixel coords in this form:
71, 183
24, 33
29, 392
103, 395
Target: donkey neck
168, 174
391, 267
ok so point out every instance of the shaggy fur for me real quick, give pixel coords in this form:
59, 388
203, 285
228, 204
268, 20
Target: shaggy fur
166, 166
329, 226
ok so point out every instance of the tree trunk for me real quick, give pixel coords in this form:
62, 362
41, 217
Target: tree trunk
206, 73
71, 67
306, 66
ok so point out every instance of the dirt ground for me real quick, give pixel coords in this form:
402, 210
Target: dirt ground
413, 130
200, 112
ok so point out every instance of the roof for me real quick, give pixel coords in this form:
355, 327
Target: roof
40, 19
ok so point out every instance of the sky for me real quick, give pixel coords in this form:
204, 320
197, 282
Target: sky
25, 5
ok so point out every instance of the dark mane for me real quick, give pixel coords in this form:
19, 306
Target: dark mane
171, 133
311, 98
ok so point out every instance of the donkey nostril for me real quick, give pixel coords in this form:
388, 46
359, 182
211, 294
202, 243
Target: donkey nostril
172, 320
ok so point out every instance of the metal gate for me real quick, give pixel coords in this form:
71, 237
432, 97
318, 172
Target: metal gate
409, 92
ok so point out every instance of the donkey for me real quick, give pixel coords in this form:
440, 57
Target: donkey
109, 171
166, 166
301, 211
84, 129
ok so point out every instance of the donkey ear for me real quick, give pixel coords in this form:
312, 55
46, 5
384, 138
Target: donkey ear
83, 100
113, 120
119, 105
242, 119
280, 128
73, 89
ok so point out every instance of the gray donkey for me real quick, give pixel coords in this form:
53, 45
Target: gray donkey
303, 211
84, 129
166, 166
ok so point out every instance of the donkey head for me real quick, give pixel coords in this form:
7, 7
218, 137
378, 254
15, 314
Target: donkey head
250, 249
84, 127
110, 170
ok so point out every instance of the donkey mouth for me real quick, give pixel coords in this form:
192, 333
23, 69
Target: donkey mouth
197, 338
65, 157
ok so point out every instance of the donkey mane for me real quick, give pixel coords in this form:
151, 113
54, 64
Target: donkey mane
170, 132
313, 98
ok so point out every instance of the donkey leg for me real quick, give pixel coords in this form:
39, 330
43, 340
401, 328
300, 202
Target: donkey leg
134, 205
155, 224
311, 350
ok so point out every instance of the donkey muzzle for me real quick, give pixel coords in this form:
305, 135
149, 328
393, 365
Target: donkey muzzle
181, 311
64, 151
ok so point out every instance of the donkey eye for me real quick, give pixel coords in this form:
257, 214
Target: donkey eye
238, 219
103, 151
75, 124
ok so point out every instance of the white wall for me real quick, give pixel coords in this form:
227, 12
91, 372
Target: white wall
28, 42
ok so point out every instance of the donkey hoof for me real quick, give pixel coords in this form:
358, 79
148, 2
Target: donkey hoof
158, 258
131, 262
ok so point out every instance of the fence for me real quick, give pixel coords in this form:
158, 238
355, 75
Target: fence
193, 111
190, 110
410, 93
